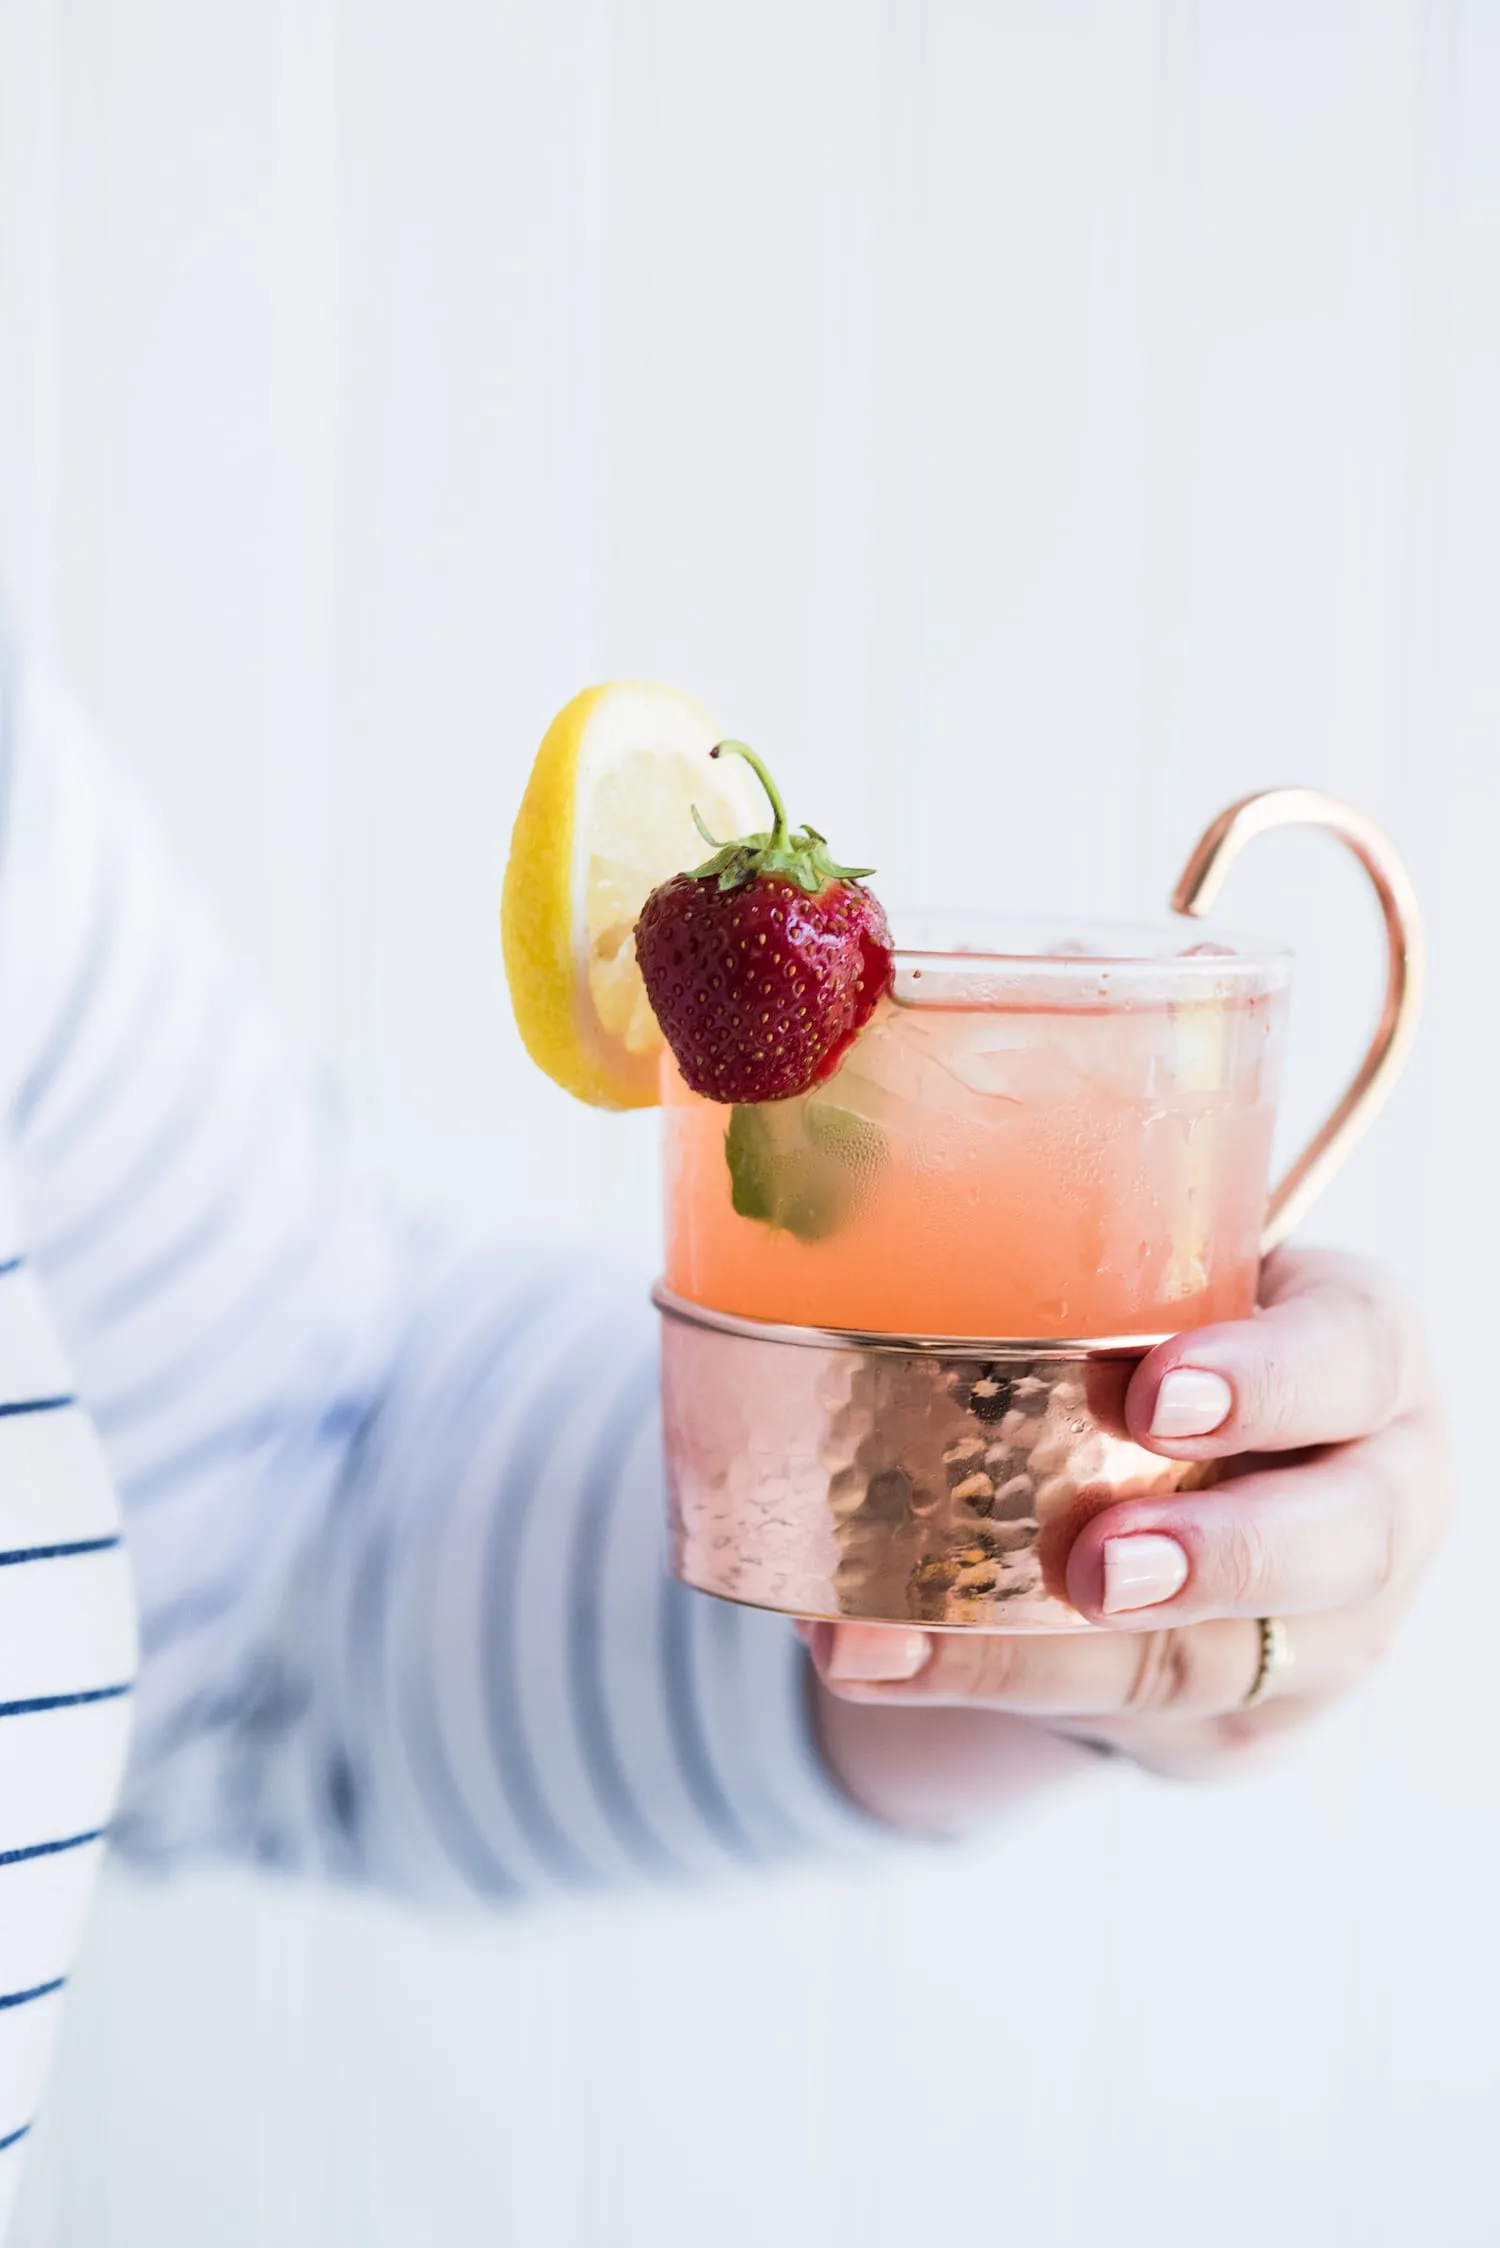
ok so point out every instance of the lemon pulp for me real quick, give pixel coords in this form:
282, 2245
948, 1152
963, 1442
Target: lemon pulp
607, 815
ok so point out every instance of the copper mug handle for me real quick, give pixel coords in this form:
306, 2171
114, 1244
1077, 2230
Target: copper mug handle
1201, 880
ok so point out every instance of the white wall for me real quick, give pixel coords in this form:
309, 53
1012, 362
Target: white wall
1035, 421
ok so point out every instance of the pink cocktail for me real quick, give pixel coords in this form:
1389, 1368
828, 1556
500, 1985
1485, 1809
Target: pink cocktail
1023, 1142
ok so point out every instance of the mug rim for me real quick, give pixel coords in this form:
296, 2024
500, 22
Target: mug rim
1106, 960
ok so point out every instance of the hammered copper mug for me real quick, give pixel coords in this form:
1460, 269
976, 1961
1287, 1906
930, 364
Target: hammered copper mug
843, 1471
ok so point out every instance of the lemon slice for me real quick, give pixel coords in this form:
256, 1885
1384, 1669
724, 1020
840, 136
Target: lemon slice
607, 814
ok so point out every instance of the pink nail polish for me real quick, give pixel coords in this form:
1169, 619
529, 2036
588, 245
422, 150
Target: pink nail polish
1191, 1402
871, 1654
1140, 1572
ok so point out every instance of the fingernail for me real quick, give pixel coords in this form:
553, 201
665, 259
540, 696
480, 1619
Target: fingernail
866, 1654
1191, 1402
1140, 1571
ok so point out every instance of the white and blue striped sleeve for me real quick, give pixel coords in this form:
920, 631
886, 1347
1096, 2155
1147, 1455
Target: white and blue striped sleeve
393, 1498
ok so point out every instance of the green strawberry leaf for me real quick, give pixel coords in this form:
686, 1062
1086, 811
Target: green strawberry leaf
798, 1165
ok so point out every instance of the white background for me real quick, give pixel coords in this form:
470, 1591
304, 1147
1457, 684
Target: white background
1033, 422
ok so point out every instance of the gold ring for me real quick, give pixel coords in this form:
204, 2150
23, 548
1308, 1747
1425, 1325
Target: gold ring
1275, 1656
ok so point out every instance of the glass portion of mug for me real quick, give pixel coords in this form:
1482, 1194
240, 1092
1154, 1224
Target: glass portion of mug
1047, 1130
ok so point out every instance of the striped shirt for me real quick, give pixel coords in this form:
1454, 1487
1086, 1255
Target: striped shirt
392, 1494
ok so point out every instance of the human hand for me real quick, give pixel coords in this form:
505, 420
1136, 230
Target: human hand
1336, 1494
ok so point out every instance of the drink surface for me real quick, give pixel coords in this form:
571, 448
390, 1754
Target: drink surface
991, 1171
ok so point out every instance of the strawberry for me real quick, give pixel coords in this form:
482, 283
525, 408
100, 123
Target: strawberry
765, 964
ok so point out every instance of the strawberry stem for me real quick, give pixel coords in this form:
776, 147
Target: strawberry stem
703, 828
801, 858
781, 832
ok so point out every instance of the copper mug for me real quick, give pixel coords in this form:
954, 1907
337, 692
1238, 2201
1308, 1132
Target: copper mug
835, 1472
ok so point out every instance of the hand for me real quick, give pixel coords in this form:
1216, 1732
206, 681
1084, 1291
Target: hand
1337, 1494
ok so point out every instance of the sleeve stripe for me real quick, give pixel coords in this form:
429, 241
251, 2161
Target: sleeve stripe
176, 1132
463, 1840
506, 1698
730, 1678
19, 1405
187, 1252
687, 1734
208, 1604
289, 1458
64, 1037
63, 1701
38, 1990
457, 1397
18, 1554
601, 1492
52, 1849
103, 1097
236, 1445
295, 1257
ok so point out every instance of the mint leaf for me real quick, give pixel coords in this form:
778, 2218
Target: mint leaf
799, 1164
752, 1164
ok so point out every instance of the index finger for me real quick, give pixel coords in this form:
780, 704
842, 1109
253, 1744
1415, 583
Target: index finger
1333, 1353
